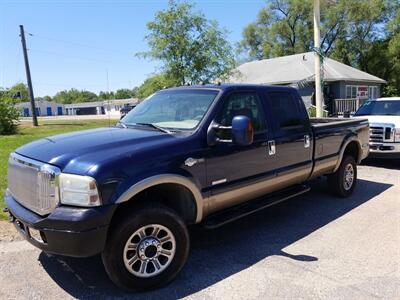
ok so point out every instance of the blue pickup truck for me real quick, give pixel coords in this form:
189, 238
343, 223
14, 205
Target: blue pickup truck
204, 155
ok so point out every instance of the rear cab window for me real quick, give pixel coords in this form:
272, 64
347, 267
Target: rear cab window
288, 114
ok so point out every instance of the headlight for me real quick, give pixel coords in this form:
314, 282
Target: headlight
397, 135
78, 190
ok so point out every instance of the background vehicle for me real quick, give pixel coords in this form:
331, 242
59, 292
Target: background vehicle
207, 154
383, 115
125, 110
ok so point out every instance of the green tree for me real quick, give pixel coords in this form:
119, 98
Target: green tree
285, 27
106, 95
191, 48
124, 94
393, 31
9, 115
154, 84
363, 34
21, 89
44, 98
74, 96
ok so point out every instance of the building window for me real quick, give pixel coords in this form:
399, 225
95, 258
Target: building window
373, 92
351, 91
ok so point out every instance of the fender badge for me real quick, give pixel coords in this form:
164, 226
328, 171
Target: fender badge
190, 162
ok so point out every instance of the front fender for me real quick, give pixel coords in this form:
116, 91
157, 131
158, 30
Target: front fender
166, 178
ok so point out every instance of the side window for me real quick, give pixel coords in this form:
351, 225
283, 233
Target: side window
244, 104
286, 111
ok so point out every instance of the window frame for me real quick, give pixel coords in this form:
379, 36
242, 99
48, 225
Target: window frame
351, 86
276, 125
260, 104
373, 92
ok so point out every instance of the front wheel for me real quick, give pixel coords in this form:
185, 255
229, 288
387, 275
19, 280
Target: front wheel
343, 181
146, 249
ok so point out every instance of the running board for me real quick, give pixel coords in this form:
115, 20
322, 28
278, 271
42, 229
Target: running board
244, 209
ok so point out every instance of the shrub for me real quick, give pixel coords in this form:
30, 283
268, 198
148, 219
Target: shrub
312, 112
9, 116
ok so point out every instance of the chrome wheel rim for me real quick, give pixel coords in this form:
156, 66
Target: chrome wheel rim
348, 177
149, 250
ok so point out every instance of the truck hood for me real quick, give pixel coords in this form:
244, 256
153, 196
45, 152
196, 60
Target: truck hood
90, 147
382, 119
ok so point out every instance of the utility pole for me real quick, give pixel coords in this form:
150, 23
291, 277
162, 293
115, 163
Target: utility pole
28, 76
317, 60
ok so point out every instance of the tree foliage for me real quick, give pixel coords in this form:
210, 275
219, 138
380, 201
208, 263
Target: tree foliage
155, 83
74, 96
363, 34
125, 94
191, 48
19, 88
9, 115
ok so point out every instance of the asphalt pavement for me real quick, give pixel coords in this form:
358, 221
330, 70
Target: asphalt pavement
314, 246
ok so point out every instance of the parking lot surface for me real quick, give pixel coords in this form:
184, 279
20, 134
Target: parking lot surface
314, 246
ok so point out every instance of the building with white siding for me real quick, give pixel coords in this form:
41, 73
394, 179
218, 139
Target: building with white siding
107, 107
43, 108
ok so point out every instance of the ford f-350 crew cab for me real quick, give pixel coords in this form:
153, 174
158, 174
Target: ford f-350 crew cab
188, 155
383, 115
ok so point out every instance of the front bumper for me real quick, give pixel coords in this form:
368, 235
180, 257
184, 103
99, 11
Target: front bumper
69, 231
384, 150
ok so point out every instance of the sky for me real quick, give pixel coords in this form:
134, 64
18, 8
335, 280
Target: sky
92, 44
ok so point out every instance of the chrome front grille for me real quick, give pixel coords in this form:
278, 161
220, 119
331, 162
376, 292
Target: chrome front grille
376, 134
379, 133
33, 184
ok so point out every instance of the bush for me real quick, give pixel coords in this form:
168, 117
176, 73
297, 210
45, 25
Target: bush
312, 112
9, 116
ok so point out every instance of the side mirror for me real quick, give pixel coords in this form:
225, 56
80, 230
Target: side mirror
242, 131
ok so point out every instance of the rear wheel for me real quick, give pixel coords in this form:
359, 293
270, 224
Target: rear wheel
147, 249
343, 181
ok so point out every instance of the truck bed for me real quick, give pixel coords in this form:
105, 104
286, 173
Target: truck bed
335, 122
329, 136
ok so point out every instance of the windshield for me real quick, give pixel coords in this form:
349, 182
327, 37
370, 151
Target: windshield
379, 107
174, 109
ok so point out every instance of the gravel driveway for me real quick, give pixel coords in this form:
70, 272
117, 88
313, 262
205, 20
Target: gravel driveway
313, 246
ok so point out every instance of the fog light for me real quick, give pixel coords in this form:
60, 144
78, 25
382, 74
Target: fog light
36, 235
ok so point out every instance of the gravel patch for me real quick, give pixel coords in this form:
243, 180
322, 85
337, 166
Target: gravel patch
8, 233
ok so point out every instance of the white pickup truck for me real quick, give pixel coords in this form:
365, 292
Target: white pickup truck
383, 115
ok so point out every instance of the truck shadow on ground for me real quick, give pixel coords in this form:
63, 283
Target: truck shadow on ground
220, 253
392, 164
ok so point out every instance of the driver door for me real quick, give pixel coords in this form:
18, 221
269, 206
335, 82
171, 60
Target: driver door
231, 167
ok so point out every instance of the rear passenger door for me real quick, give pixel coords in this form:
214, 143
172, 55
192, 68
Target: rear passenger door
291, 144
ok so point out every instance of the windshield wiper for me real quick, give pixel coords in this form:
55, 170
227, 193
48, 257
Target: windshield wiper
155, 127
123, 125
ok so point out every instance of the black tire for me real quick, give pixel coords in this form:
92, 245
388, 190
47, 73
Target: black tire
113, 254
336, 181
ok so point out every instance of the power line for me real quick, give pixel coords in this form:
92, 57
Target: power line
69, 56
79, 44
68, 85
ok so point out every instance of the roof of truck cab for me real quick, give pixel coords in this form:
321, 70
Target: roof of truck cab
232, 86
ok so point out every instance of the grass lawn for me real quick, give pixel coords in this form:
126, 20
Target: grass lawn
27, 133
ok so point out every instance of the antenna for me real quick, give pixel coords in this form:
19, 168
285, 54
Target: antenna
108, 100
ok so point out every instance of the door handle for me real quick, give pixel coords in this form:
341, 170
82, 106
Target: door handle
271, 147
306, 141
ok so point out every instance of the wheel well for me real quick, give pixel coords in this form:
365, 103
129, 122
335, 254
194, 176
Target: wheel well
175, 196
352, 149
